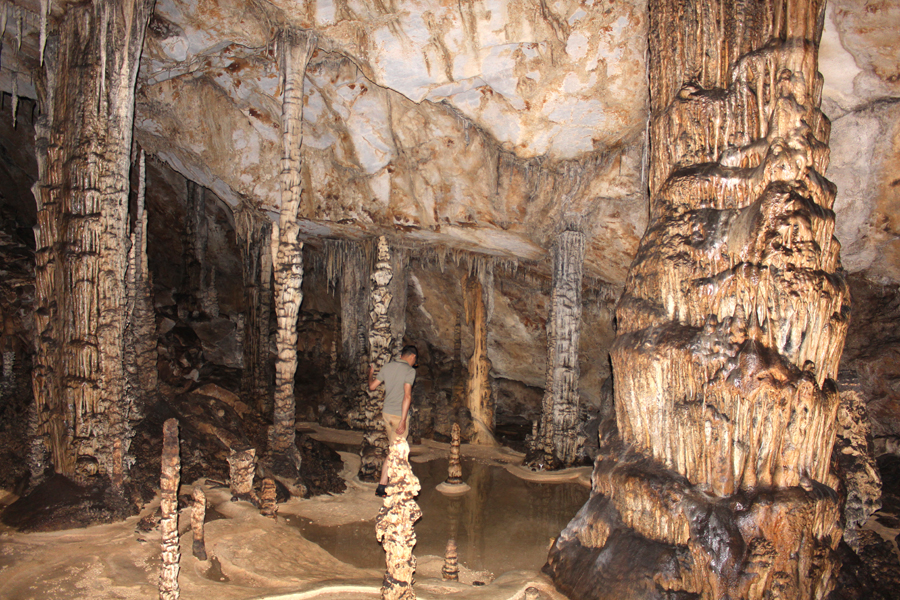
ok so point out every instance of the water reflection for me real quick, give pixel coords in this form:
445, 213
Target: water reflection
502, 524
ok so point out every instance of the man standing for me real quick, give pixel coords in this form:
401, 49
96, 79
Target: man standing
398, 377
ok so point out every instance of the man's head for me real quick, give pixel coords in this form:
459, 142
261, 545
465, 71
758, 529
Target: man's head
410, 354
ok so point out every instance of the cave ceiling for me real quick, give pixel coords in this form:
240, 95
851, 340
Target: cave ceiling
484, 126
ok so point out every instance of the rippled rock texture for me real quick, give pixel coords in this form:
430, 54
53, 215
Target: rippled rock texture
730, 328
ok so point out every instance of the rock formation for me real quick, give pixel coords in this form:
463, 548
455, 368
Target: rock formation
479, 398
450, 570
730, 328
374, 447
168, 504
198, 519
242, 465
454, 469
394, 524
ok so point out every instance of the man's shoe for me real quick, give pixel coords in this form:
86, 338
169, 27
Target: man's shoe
381, 491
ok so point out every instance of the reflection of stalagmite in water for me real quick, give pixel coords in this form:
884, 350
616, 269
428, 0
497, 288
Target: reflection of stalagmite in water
168, 504
198, 517
394, 524
475, 510
450, 570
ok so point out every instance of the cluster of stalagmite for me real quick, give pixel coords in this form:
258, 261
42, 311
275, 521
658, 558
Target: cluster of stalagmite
559, 416
394, 524
198, 519
83, 136
297, 47
730, 327
168, 505
374, 446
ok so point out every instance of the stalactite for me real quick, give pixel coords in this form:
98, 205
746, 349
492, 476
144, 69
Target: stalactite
478, 387
45, 14
394, 524
730, 327
254, 231
450, 570
82, 201
559, 415
198, 519
199, 271
373, 449
459, 374
296, 47
168, 504
15, 96
20, 22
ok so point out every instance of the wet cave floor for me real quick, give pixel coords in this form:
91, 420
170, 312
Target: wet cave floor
322, 547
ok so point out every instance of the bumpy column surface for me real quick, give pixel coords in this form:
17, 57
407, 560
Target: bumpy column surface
560, 407
394, 525
242, 468
86, 93
454, 467
168, 504
730, 328
297, 47
374, 446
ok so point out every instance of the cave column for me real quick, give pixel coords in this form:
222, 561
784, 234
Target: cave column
374, 446
254, 231
730, 327
86, 94
297, 48
479, 397
559, 419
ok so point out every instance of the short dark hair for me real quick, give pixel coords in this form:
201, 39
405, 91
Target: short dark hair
407, 350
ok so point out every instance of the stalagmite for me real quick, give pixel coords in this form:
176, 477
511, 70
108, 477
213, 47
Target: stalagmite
168, 504
254, 231
268, 506
478, 387
730, 327
450, 570
82, 202
374, 446
454, 469
559, 417
394, 524
296, 47
198, 518
242, 467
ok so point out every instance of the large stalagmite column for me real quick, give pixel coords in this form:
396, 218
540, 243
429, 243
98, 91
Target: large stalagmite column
730, 328
297, 47
84, 144
373, 449
559, 420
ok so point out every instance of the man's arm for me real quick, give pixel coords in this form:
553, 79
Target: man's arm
373, 383
407, 401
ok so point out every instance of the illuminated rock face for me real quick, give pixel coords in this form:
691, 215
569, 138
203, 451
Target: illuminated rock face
731, 325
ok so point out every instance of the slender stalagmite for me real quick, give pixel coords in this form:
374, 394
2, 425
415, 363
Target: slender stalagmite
297, 47
454, 468
198, 518
394, 524
254, 231
478, 388
86, 95
268, 506
560, 406
168, 505
374, 446
730, 328
450, 570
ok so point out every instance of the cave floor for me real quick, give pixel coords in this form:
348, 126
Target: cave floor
252, 556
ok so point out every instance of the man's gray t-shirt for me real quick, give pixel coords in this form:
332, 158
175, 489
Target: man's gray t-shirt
394, 375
